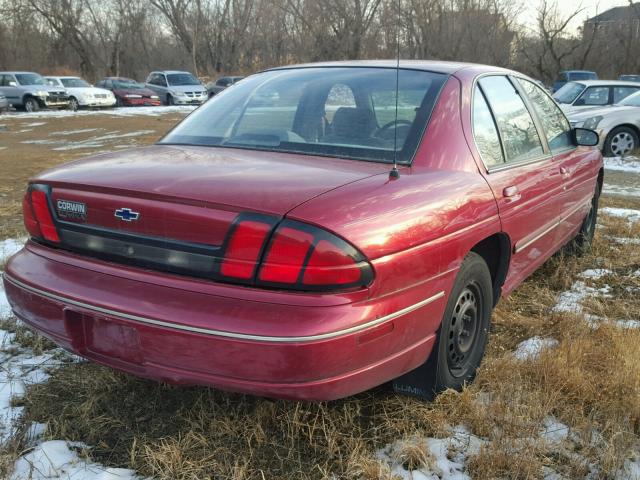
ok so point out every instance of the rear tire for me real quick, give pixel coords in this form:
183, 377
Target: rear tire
31, 105
621, 141
582, 242
465, 325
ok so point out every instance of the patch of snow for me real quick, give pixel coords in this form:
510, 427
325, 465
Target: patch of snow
3, 148
627, 164
595, 273
626, 241
449, 456
571, 300
554, 431
34, 124
24, 130
630, 470
532, 347
628, 324
628, 213
74, 132
621, 190
10, 246
59, 460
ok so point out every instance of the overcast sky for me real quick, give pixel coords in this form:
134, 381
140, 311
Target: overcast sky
566, 7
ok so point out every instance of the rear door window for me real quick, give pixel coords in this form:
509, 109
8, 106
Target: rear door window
517, 129
554, 123
620, 93
485, 131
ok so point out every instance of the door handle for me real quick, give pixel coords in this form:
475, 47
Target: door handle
511, 193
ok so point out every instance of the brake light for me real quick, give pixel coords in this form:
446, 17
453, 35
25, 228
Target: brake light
37, 215
30, 222
243, 249
292, 255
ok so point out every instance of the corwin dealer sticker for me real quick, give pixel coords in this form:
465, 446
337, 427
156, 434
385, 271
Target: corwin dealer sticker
71, 210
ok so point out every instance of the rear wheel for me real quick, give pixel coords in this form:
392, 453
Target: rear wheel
465, 325
621, 141
582, 243
31, 105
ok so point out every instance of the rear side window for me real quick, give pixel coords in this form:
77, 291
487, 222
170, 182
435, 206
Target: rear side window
620, 93
555, 125
519, 135
485, 131
594, 96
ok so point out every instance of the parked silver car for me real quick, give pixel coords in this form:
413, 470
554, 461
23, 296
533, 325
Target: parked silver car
177, 88
593, 93
617, 125
29, 91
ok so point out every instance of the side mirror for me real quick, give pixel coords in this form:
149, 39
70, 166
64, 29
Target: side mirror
585, 137
13, 84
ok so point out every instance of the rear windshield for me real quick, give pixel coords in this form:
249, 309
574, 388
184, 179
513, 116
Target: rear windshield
30, 79
582, 76
127, 83
74, 83
632, 100
178, 79
331, 111
568, 92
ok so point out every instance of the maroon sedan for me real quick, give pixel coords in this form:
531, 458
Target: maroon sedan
268, 245
129, 93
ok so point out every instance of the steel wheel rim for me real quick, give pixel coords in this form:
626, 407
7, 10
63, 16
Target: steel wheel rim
29, 106
74, 104
464, 329
622, 143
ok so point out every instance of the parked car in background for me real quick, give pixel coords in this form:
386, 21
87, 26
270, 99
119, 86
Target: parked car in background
264, 246
29, 91
618, 126
572, 76
220, 84
128, 92
629, 78
82, 94
177, 88
593, 93
4, 103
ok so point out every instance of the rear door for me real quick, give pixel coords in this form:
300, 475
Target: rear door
12, 92
520, 170
573, 163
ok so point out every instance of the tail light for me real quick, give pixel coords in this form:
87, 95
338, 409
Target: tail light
37, 214
294, 255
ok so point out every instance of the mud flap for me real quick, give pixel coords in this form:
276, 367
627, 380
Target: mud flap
420, 382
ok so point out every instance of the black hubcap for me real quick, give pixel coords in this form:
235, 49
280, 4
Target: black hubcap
464, 329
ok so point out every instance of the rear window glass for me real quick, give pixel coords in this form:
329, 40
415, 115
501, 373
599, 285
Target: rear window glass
348, 112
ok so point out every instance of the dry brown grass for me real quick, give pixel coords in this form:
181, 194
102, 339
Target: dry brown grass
590, 382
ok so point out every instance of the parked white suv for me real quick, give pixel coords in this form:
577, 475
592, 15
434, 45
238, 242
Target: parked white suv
177, 88
82, 94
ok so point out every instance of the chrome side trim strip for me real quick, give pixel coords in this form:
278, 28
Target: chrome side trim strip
222, 333
556, 223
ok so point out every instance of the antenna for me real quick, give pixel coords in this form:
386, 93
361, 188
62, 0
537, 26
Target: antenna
394, 173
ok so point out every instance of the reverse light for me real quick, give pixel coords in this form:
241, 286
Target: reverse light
291, 255
37, 214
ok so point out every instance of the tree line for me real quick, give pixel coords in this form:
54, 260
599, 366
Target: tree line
209, 37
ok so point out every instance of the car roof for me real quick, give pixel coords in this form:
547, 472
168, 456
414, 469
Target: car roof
167, 72
614, 83
436, 66
18, 72
62, 76
577, 71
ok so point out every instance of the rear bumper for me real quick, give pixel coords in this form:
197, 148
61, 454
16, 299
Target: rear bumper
309, 348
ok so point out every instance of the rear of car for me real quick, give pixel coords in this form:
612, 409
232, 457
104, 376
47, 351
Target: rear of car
185, 262
573, 76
